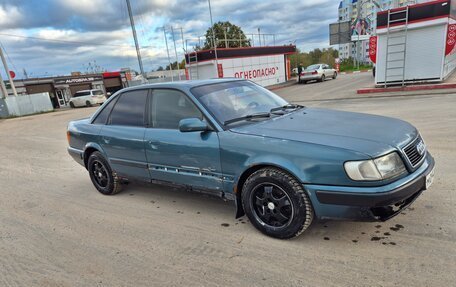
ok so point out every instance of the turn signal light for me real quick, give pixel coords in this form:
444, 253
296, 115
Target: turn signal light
68, 137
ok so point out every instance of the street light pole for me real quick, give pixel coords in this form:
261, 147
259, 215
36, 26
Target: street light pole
213, 36
175, 51
169, 59
138, 53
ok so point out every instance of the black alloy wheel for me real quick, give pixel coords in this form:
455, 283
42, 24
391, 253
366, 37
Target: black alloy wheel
101, 174
276, 203
272, 205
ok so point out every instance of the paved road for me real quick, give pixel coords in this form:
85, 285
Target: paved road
344, 86
56, 230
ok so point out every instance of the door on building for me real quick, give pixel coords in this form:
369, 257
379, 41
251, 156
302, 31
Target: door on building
61, 98
112, 85
77, 88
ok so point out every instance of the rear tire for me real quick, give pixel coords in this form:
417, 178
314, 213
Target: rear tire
335, 75
276, 203
101, 174
323, 78
88, 104
72, 105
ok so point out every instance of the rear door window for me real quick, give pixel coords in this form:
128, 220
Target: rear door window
130, 109
103, 116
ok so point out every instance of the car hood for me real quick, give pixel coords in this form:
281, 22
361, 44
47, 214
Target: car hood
369, 134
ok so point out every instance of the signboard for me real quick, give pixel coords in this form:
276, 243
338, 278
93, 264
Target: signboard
263, 70
360, 29
220, 70
12, 74
451, 39
79, 80
339, 33
373, 49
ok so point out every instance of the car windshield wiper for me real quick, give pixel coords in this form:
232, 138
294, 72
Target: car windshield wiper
248, 117
286, 107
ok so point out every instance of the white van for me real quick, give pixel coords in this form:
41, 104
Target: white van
87, 98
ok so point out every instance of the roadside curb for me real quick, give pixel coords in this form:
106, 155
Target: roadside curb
354, 72
406, 88
284, 85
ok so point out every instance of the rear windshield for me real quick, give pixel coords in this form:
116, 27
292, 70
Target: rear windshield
81, 94
313, 67
97, 92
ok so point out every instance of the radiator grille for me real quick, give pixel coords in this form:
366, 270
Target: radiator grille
415, 152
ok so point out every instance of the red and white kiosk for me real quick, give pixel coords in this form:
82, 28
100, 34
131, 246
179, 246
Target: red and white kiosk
415, 43
266, 66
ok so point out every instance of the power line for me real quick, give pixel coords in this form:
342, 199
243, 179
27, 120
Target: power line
8, 57
64, 41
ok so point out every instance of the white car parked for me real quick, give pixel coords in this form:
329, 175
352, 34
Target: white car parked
87, 98
319, 72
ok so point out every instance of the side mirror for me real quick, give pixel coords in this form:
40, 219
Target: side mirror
192, 125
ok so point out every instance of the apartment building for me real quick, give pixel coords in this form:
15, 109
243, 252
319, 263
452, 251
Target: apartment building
351, 10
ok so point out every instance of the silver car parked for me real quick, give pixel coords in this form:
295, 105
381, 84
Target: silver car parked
318, 72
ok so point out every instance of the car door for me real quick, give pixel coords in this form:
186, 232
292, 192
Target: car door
190, 158
122, 138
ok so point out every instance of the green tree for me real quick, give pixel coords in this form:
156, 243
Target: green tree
234, 35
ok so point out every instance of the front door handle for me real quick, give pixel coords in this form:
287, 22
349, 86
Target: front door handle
153, 144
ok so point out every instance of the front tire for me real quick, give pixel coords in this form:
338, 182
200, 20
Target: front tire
101, 174
335, 75
88, 104
276, 203
72, 105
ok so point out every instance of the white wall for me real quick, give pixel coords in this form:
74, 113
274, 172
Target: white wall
424, 55
29, 104
263, 70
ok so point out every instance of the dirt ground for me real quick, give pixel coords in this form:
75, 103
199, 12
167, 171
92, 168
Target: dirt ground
57, 230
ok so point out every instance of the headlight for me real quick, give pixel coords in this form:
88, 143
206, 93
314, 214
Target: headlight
384, 167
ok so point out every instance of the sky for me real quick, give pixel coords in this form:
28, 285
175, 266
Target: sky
57, 37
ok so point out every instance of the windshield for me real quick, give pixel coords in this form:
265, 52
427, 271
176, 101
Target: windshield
313, 67
231, 100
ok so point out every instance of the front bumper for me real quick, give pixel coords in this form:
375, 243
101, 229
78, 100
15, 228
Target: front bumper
370, 203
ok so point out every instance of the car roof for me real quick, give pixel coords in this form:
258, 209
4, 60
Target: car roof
184, 84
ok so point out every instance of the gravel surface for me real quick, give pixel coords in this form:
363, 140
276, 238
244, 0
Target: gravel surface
57, 230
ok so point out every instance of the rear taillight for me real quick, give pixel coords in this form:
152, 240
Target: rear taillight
314, 72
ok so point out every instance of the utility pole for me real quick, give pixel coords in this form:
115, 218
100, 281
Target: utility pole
213, 37
4, 90
259, 37
226, 42
8, 74
169, 59
175, 51
138, 53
